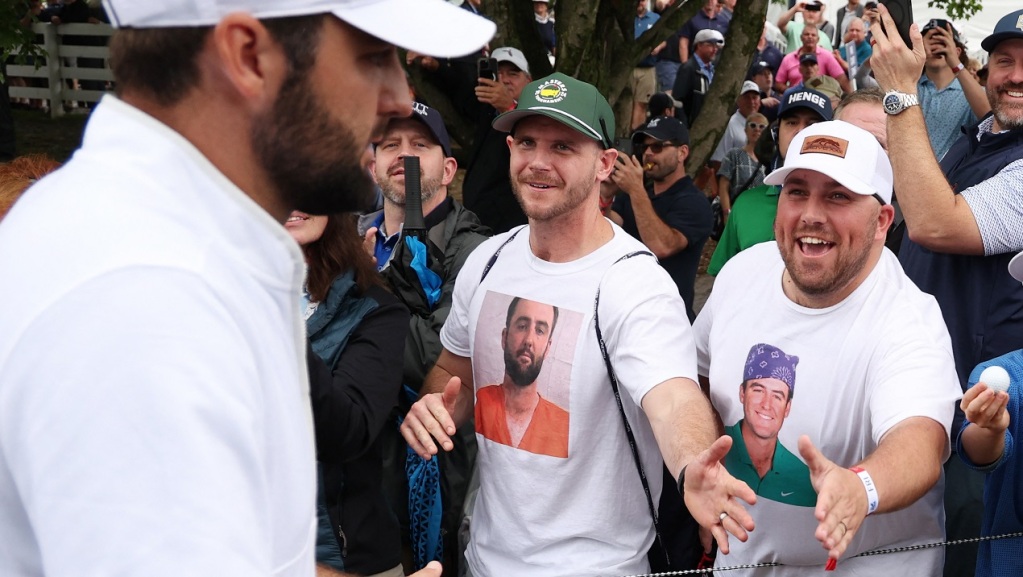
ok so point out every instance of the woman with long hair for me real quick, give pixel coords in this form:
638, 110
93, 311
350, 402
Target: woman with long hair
357, 334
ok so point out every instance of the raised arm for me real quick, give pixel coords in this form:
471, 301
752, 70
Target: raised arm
660, 238
972, 89
936, 217
788, 15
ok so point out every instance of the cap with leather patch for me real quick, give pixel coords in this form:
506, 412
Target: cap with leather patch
844, 152
826, 145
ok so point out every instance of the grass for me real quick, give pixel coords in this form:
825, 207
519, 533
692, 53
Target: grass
37, 133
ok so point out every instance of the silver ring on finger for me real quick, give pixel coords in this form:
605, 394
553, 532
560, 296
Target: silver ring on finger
844, 528
722, 517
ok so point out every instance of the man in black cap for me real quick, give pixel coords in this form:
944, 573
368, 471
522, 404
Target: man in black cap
808, 67
671, 216
456, 231
962, 218
663, 104
770, 100
752, 218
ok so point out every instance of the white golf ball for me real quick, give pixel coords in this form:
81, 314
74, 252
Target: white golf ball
996, 378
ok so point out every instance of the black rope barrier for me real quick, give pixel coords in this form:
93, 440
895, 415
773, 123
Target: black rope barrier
864, 554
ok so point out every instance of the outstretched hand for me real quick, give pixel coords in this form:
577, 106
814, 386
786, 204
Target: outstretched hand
841, 500
895, 65
431, 419
711, 490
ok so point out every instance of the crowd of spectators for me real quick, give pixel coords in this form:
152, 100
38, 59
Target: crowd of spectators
911, 171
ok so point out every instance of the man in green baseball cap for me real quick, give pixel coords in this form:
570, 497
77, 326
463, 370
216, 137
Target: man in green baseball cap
572, 102
560, 151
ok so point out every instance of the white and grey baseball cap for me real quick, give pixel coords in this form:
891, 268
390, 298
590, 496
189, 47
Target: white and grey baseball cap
512, 55
432, 27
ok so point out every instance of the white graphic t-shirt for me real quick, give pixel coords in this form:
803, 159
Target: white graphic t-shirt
547, 508
881, 356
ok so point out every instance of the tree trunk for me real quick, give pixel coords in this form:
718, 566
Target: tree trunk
596, 45
740, 45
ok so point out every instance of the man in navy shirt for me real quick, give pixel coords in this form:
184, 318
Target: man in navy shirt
671, 216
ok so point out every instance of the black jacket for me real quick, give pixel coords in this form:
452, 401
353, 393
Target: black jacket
691, 88
352, 399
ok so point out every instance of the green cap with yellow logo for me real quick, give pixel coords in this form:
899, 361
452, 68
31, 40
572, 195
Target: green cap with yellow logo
572, 102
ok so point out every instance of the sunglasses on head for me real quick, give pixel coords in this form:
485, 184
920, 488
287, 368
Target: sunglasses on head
756, 125
657, 147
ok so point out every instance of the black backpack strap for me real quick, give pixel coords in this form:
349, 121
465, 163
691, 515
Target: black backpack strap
497, 253
749, 181
621, 409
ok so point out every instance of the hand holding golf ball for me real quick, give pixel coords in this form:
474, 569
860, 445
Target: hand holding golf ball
988, 409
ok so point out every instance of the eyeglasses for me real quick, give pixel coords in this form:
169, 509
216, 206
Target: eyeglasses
755, 126
657, 147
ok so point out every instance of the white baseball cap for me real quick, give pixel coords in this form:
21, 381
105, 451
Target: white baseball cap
433, 27
709, 35
513, 55
847, 153
1016, 267
749, 86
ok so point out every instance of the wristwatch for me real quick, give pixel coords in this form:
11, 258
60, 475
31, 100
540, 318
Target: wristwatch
895, 102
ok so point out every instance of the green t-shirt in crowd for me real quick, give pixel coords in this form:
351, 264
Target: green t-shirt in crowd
750, 222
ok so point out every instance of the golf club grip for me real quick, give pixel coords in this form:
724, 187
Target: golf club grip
414, 223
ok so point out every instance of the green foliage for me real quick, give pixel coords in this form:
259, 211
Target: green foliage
16, 39
957, 9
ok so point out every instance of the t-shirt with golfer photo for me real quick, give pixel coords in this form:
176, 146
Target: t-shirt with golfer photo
879, 357
582, 512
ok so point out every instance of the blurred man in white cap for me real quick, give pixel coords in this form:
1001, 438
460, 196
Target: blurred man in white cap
486, 189
962, 218
872, 420
154, 404
735, 133
694, 77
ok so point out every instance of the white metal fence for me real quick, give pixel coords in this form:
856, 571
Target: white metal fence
61, 69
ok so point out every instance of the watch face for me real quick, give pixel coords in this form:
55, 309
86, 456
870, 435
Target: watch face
892, 103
